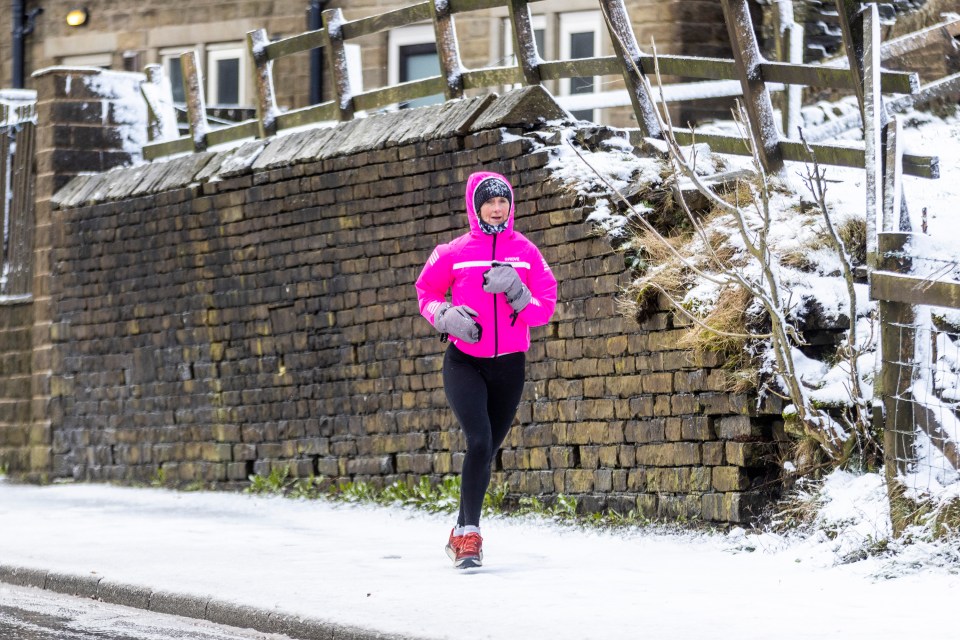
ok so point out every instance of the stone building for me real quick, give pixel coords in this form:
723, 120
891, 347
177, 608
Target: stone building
127, 36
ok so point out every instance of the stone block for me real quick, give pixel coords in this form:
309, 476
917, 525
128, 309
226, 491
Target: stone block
645, 431
729, 478
563, 457
658, 383
697, 428
749, 454
732, 507
736, 428
673, 454
713, 453
679, 507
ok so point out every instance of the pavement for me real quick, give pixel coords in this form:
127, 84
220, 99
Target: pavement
315, 570
53, 550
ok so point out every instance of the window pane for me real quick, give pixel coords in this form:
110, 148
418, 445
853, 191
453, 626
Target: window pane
581, 46
228, 81
539, 35
419, 61
175, 73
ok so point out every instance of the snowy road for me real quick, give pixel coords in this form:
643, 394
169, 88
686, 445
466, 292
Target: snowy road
385, 569
32, 614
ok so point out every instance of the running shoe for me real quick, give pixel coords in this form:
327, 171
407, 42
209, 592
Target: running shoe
470, 551
453, 545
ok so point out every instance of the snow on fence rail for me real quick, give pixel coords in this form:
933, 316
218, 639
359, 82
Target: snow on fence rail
748, 67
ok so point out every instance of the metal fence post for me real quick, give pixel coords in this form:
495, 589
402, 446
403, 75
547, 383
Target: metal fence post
263, 79
756, 98
628, 51
447, 49
333, 27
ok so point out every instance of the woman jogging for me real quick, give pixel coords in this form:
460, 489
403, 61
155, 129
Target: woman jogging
499, 286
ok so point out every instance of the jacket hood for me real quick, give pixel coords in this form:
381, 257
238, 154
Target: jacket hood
472, 214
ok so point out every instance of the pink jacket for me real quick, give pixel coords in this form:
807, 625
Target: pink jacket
458, 267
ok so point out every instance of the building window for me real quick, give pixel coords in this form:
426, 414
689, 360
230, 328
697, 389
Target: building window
413, 56
170, 59
580, 38
226, 75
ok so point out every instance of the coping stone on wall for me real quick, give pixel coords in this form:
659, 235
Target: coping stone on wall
182, 173
455, 117
280, 150
65, 197
232, 162
81, 189
521, 107
311, 148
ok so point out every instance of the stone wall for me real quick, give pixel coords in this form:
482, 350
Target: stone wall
231, 313
16, 350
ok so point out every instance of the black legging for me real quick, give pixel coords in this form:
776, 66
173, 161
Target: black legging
484, 394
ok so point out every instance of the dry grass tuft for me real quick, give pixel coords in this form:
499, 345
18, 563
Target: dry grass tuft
853, 234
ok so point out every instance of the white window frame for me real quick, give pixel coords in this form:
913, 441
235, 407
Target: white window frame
579, 22
402, 37
227, 51
354, 67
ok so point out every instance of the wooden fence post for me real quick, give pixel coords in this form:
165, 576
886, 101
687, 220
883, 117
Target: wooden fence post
525, 42
861, 39
897, 358
447, 49
628, 51
756, 98
333, 27
196, 104
263, 79
892, 185
871, 106
161, 114
790, 49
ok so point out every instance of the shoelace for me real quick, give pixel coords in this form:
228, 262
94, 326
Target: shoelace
470, 546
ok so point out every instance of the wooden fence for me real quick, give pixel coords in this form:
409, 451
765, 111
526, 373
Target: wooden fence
629, 62
17, 140
900, 409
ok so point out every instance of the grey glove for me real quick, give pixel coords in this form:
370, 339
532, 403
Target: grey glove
458, 321
503, 278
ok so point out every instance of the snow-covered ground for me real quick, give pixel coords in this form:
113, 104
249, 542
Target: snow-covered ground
384, 568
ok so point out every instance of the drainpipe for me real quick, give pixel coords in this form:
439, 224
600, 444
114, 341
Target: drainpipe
314, 22
22, 26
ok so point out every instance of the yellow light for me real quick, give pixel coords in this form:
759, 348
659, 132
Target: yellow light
77, 17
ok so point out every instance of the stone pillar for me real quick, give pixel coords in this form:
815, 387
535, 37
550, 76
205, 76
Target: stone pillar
88, 120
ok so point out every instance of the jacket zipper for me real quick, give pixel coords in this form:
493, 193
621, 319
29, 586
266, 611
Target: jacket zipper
496, 324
